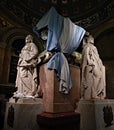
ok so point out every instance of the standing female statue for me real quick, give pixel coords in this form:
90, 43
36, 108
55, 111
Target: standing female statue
93, 72
27, 78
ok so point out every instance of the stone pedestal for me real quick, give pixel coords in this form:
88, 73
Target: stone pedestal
59, 121
97, 114
22, 115
54, 101
58, 111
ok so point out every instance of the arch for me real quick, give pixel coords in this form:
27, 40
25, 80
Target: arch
15, 33
105, 45
9, 37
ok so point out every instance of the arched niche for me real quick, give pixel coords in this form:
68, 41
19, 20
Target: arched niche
17, 45
105, 45
14, 39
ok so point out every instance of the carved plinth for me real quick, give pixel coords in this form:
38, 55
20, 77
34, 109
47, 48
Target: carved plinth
97, 114
59, 121
53, 100
22, 114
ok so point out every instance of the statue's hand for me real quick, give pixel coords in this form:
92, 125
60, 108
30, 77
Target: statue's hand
44, 56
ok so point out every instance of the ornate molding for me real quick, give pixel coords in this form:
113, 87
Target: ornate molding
100, 16
96, 14
4, 23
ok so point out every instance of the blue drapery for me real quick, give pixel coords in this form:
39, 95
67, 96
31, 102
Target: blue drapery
54, 22
63, 37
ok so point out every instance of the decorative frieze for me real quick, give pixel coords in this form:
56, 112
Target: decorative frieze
30, 16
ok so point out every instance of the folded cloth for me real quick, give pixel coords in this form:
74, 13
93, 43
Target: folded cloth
59, 63
54, 23
71, 36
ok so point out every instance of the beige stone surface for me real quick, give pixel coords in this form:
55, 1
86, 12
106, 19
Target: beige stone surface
92, 114
93, 84
25, 115
53, 100
25, 100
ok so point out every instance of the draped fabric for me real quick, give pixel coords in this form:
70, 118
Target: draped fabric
54, 22
64, 37
71, 36
59, 63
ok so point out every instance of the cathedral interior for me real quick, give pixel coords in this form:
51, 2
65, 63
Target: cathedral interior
17, 19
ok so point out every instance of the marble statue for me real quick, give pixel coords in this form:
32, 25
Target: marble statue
27, 76
93, 71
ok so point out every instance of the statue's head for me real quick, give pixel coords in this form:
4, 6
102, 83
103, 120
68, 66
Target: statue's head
90, 39
44, 33
29, 38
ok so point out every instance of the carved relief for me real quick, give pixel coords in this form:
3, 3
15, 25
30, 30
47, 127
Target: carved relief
4, 23
10, 117
108, 116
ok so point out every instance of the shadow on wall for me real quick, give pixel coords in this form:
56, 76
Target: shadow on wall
105, 45
3, 101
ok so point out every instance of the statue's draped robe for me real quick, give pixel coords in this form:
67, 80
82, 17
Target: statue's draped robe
93, 74
26, 81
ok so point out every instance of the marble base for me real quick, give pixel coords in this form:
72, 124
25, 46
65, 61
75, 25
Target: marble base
22, 115
97, 114
25, 100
